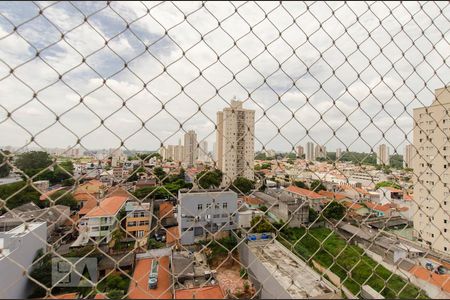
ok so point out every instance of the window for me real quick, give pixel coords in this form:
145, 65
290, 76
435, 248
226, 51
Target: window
445, 229
445, 221
208, 205
199, 206
225, 205
217, 206
131, 223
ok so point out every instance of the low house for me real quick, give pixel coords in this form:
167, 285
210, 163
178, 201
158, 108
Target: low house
94, 187
356, 194
292, 210
385, 210
334, 196
138, 218
99, 223
54, 216
151, 267
253, 202
355, 209
246, 215
314, 199
389, 195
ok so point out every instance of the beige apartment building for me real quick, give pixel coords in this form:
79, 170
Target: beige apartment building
383, 155
235, 142
190, 148
408, 156
432, 173
310, 154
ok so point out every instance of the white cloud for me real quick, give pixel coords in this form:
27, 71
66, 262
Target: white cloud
297, 38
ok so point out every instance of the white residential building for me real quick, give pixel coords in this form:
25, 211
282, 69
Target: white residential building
206, 211
236, 142
383, 155
100, 222
190, 148
338, 153
18, 248
432, 169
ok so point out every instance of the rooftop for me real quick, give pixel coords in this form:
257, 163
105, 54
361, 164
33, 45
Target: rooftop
442, 281
332, 195
304, 192
297, 278
209, 292
165, 210
138, 288
108, 207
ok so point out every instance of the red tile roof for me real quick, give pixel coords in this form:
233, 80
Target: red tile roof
442, 281
209, 292
138, 288
303, 192
100, 296
253, 200
45, 196
65, 296
394, 190
332, 195
172, 235
108, 207
377, 206
165, 210
352, 205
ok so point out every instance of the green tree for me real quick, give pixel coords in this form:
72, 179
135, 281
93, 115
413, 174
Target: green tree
387, 184
5, 169
32, 162
209, 179
242, 185
159, 173
42, 273
301, 184
260, 224
24, 194
313, 215
61, 198
334, 211
317, 186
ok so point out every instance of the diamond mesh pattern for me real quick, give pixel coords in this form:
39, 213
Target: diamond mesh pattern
353, 96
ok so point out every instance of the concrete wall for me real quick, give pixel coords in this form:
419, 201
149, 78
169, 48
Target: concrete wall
260, 276
23, 247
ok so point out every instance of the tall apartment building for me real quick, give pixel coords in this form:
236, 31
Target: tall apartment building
236, 142
190, 148
432, 170
310, 154
178, 153
203, 151
338, 153
408, 156
320, 151
300, 151
383, 155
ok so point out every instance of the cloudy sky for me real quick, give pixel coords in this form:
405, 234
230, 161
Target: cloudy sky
144, 73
